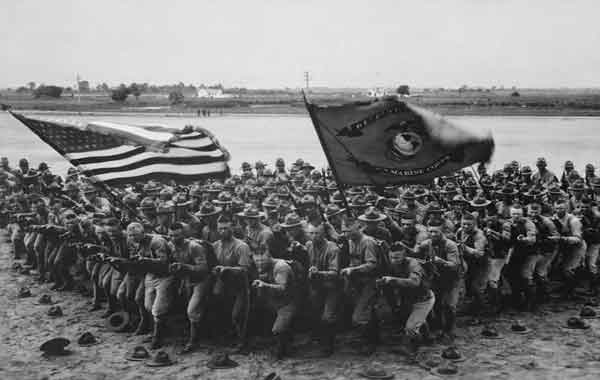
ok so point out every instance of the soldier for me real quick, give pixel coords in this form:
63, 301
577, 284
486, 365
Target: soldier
472, 244
256, 233
208, 215
571, 245
277, 291
545, 249
193, 262
359, 278
543, 176
116, 244
233, 273
323, 285
158, 285
590, 223
98, 203
406, 285
448, 262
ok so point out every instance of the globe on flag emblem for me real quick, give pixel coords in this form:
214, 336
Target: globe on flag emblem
406, 144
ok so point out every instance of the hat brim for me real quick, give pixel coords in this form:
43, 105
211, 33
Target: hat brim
165, 364
436, 371
260, 215
387, 376
336, 213
217, 211
485, 204
121, 326
285, 225
378, 219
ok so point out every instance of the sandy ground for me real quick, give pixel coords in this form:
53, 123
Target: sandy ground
548, 352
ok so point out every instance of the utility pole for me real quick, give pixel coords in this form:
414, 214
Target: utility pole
78, 90
306, 79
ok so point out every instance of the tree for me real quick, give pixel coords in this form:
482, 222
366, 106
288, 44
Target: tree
515, 94
135, 90
176, 97
31, 85
22, 90
120, 94
403, 90
50, 91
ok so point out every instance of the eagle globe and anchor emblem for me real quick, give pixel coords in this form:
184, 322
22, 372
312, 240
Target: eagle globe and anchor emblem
405, 144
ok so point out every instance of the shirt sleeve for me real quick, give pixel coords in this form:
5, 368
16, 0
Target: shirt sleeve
333, 254
244, 256
159, 248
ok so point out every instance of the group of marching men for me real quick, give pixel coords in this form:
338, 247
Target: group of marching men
286, 245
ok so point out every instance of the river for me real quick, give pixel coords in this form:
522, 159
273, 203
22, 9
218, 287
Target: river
266, 137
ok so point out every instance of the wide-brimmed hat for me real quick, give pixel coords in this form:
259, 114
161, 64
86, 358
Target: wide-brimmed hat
55, 347
358, 201
46, 299
208, 209
283, 192
307, 165
87, 339
452, 354
526, 170
409, 195
376, 372
332, 210
55, 311
490, 332
554, 190
224, 198
151, 187
271, 202
445, 369
353, 191
449, 188
519, 328
480, 201
291, 220
577, 323
118, 321
459, 199
161, 359
251, 213
24, 292
139, 353
221, 361
471, 184
508, 191
588, 312
372, 215
536, 192
420, 191
214, 188
181, 200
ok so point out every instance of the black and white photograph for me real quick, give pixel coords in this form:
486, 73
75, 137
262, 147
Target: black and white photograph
282, 190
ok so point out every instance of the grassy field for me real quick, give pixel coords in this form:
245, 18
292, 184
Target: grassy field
451, 102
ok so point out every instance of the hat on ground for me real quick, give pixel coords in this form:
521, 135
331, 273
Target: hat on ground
372, 215
375, 372
221, 361
519, 328
291, 220
55, 347
118, 321
445, 369
87, 339
208, 209
490, 332
139, 353
577, 323
452, 353
588, 312
161, 359
45, 299
24, 292
55, 311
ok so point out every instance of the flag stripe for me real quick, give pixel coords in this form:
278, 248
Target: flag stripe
166, 168
173, 153
102, 152
183, 161
99, 159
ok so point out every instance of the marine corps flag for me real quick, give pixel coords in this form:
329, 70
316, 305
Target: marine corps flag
393, 142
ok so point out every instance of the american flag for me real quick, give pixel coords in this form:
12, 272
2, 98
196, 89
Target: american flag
118, 154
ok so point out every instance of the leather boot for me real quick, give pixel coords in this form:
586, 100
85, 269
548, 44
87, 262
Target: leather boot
112, 307
191, 344
143, 325
450, 319
157, 334
530, 297
369, 335
282, 345
327, 340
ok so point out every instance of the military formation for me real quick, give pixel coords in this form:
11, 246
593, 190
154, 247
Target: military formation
287, 249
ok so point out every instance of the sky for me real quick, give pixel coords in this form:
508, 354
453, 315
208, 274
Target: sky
271, 43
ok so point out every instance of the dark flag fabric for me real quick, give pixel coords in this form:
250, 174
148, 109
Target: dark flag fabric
389, 141
119, 154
